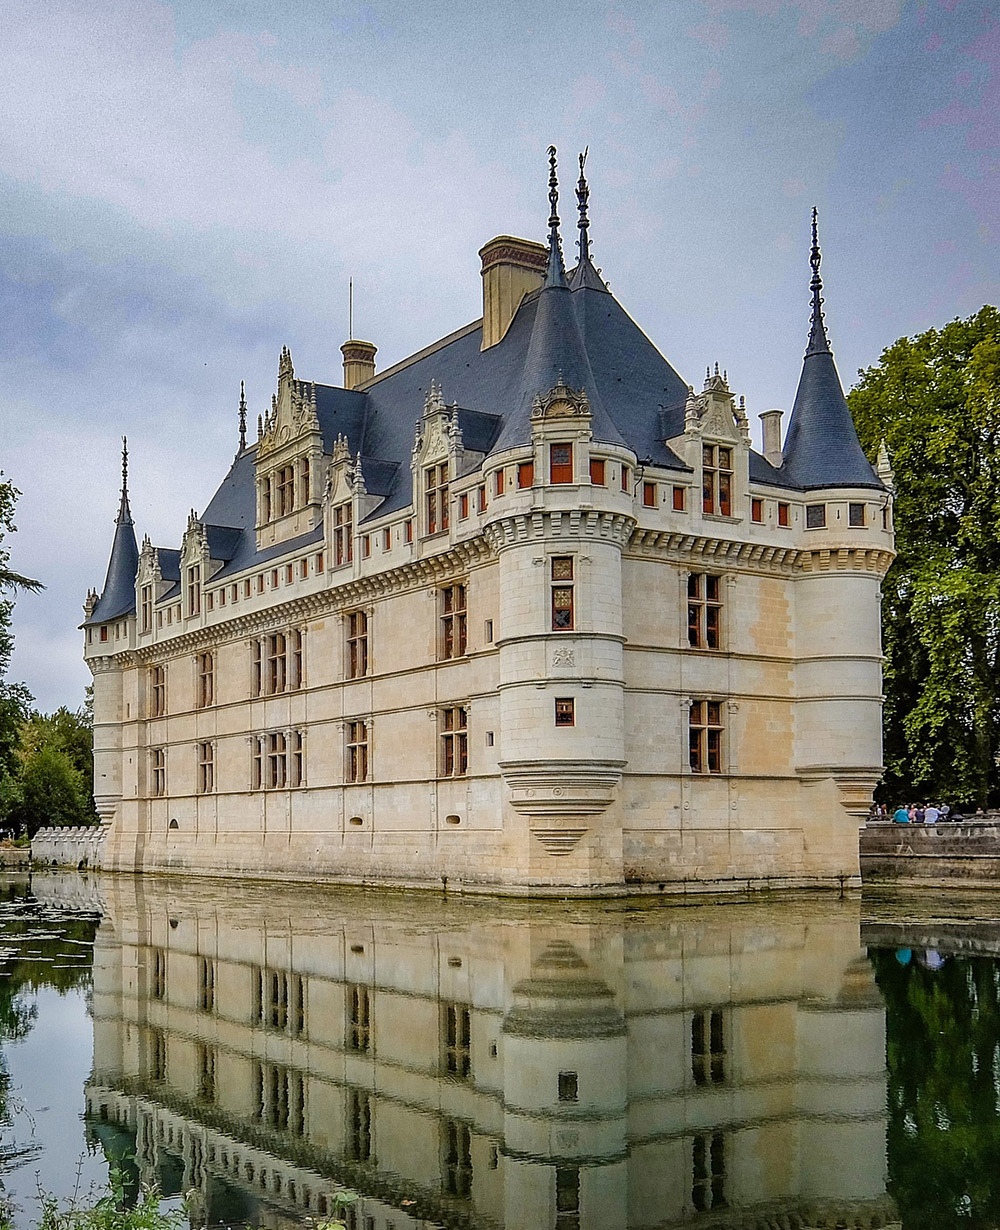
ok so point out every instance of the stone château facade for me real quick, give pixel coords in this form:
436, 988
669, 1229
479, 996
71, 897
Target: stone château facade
569, 631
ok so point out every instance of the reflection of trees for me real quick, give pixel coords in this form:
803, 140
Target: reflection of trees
943, 1055
38, 948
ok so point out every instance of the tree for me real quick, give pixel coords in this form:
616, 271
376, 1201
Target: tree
15, 699
935, 401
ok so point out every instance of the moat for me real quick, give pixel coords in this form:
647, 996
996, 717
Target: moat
513, 1065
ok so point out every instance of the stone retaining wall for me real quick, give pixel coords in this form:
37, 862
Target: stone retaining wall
945, 854
69, 847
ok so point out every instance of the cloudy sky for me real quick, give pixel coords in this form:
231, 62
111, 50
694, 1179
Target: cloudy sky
188, 186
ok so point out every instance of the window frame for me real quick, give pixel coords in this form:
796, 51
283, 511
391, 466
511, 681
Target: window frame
453, 621
562, 593
453, 740
704, 607
706, 732
357, 663
717, 480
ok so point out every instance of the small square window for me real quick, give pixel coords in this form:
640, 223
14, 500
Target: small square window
756, 510
815, 516
568, 1087
565, 711
783, 518
856, 514
679, 499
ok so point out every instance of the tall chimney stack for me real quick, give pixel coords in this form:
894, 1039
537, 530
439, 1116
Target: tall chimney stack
511, 268
359, 362
771, 423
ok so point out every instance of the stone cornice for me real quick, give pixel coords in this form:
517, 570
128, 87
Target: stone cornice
756, 557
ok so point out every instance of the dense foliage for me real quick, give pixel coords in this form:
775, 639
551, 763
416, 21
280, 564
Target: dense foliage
935, 401
50, 780
15, 699
943, 1058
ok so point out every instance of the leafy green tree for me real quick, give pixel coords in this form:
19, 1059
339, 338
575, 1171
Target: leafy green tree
52, 792
935, 401
15, 699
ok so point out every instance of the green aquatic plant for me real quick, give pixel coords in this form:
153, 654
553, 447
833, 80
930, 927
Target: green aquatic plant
341, 1201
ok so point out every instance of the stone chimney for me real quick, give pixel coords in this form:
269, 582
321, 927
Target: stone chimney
771, 423
511, 268
359, 362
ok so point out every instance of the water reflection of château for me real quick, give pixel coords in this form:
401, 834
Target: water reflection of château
471, 1064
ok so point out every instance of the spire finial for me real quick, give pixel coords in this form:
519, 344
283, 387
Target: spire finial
556, 275
124, 512
819, 343
582, 197
243, 416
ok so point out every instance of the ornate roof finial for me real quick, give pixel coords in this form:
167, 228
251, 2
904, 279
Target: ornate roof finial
243, 417
124, 512
819, 343
556, 275
582, 197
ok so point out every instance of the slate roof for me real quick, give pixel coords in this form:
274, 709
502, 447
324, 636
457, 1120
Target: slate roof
571, 328
821, 446
118, 595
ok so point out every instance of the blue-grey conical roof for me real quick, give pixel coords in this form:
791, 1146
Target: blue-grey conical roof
118, 596
822, 448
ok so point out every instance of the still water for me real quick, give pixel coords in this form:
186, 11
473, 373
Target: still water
516, 1066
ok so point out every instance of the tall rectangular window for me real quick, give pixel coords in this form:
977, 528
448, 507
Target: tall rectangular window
708, 1048
717, 479
359, 1018
453, 621
275, 663
343, 534
206, 679
304, 481
159, 980
567, 1198
498, 482
357, 751
705, 736
565, 711
280, 1098
296, 669
277, 760
562, 593
359, 1125
265, 500
704, 610
158, 761
194, 590
296, 759
146, 608
357, 645
456, 1170
783, 516
679, 499
757, 510
157, 685
436, 496
206, 984
526, 474
206, 768
560, 463
481, 499
598, 467
285, 479
708, 1171
649, 495
206, 1073
454, 741
157, 1055
457, 1028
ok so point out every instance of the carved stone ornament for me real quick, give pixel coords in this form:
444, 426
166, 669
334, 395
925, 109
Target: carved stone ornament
560, 402
563, 657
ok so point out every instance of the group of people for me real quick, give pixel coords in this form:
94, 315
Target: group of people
921, 813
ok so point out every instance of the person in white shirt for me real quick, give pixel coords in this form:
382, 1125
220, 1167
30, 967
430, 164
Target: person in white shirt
931, 814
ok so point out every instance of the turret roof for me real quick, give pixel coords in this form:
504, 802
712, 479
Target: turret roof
118, 596
822, 447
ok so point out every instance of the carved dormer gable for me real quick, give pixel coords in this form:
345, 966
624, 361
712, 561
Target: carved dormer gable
716, 445
150, 572
438, 457
438, 435
289, 460
90, 603
561, 413
340, 474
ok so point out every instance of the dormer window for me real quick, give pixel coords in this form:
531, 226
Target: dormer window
304, 482
285, 485
194, 590
717, 479
343, 534
265, 500
560, 463
436, 487
146, 608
